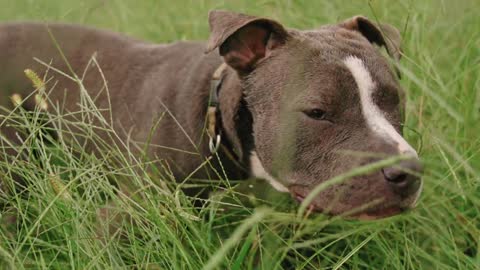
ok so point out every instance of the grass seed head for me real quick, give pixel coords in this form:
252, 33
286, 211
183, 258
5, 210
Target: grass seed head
41, 102
60, 188
37, 82
16, 100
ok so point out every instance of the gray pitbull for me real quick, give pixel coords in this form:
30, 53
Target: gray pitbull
293, 107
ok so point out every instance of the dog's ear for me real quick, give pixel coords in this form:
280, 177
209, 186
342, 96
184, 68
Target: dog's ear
382, 35
243, 39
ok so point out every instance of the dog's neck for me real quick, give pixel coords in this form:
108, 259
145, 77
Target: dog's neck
236, 124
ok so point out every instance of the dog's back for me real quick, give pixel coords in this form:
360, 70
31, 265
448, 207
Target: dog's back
20, 43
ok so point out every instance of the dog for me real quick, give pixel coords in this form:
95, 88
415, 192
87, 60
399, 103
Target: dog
293, 107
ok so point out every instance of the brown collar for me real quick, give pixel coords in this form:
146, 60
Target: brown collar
214, 130
214, 120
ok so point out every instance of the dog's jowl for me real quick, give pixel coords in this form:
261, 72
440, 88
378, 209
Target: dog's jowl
293, 107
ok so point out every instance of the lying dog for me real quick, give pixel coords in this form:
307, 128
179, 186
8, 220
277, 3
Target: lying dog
293, 107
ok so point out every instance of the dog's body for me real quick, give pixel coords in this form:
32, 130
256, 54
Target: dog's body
173, 82
144, 81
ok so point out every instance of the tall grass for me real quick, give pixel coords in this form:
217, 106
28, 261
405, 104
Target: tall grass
77, 213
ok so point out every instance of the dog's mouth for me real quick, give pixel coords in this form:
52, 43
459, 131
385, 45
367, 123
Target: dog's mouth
370, 213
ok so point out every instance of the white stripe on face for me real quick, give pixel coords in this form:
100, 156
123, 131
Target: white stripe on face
374, 117
259, 171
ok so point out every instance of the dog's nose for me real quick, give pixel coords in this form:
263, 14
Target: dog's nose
404, 177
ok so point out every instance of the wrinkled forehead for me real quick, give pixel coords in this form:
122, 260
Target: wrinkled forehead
315, 62
331, 45
321, 55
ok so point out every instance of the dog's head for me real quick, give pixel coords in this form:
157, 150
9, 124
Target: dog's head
323, 102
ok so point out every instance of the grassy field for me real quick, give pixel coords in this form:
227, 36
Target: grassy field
57, 224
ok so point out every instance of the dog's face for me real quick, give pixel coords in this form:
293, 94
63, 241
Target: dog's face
323, 102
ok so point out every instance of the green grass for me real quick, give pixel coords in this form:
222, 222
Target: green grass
157, 228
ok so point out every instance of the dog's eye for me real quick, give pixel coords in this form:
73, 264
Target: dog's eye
316, 114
